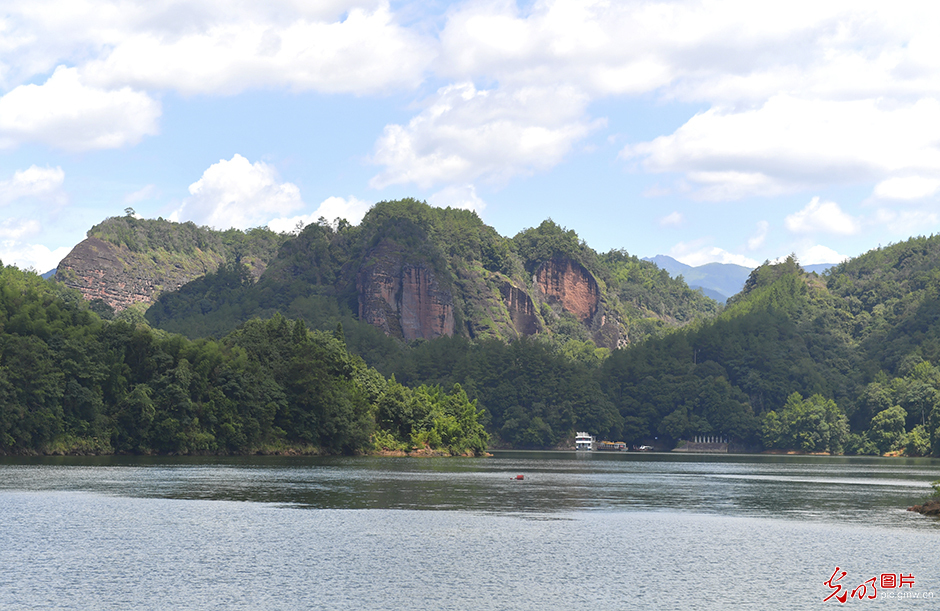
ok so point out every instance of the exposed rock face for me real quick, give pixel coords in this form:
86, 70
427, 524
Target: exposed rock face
567, 282
120, 277
403, 300
930, 508
521, 309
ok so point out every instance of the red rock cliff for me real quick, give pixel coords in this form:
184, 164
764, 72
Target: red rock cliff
401, 299
521, 309
566, 282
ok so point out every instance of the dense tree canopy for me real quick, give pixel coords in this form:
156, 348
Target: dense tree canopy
71, 382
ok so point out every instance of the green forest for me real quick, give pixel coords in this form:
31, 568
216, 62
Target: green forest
71, 382
844, 363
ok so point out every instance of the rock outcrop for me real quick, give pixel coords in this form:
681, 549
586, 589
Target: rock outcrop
403, 299
119, 277
930, 508
521, 309
567, 283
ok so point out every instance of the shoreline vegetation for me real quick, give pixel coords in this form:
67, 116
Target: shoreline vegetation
847, 363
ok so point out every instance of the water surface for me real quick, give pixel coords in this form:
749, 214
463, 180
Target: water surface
652, 531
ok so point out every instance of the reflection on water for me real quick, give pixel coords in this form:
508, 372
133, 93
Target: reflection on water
843, 489
650, 531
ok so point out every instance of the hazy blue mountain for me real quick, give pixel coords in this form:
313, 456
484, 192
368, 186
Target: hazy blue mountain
717, 280
819, 268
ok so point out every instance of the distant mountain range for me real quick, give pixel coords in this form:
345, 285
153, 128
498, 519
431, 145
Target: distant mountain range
717, 280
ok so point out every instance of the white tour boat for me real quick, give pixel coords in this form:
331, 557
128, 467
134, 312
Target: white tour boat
583, 442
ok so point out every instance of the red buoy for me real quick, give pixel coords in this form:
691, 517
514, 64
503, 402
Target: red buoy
520, 477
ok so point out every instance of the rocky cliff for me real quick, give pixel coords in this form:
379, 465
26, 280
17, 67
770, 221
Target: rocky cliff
126, 260
101, 270
414, 272
403, 299
521, 309
567, 283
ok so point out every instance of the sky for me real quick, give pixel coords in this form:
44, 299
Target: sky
727, 131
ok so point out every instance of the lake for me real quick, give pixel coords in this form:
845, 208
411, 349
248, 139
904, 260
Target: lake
647, 531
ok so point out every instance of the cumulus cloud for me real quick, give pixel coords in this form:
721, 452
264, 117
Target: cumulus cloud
44, 183
907, 222
15, 229
696, 253
237, 193
148, 192
907, 188
363, 52
760, 235
672, 219
31, 256
458, 196
790, 143
814, 255
66, 113
332, 208
822, 217
465, 133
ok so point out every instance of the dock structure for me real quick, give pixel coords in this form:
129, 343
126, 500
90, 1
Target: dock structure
709, 444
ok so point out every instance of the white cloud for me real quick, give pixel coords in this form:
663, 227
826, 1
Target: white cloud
45, 183
31, 256
332, 208
143, 194
464, 197
695, 254
237, 193
672, 219
65, 113
14, 229
365, 52
907, 188
466, 133
817, 254
789, 143
822, 217
760, 235
907, 222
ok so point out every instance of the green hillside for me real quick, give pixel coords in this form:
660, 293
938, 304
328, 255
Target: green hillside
71, 382
323, 275
539, 333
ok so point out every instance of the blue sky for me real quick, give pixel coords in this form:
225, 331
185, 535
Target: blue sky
730, 131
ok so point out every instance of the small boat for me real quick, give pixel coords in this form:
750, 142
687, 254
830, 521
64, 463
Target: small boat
583, 442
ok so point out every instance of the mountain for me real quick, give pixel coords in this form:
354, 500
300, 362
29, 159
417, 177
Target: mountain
126, 260
819, 268
717, 280
844, 362
414, 272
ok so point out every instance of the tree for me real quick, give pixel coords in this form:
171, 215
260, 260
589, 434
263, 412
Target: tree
887, 428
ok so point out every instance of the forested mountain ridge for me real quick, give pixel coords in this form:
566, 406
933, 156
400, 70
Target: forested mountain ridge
127, 260
845, 362
841, 362
71, 382
417, 272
